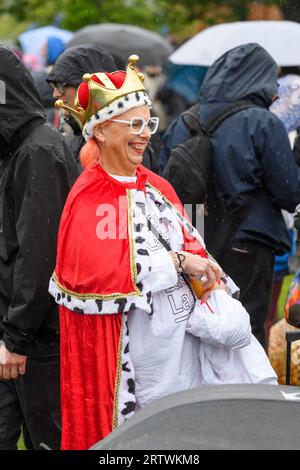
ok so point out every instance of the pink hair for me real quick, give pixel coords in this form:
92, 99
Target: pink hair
90, 154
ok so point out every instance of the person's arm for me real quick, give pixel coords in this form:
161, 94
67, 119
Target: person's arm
296, 150
40, 189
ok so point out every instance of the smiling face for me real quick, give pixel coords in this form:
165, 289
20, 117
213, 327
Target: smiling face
121, 151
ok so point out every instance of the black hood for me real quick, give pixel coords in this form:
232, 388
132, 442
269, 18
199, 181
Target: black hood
19, 100
247, 72
45, 92
78, 60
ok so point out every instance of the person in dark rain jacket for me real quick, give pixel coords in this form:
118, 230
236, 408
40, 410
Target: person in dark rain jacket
36, 174
255, 170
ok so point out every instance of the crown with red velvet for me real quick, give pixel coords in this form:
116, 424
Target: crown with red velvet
102, 96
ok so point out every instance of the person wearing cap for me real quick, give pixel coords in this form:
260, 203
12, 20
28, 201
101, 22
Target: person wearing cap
129, 319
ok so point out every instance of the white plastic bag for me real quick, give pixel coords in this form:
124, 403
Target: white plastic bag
246, 365
228, 352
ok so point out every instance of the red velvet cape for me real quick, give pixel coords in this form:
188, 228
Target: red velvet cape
90, 267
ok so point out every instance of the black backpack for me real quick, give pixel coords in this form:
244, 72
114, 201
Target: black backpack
190, 168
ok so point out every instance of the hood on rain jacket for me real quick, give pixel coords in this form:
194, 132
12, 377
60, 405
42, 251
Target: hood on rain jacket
36, 174
255, 168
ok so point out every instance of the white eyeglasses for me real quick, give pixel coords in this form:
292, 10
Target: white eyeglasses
138, 124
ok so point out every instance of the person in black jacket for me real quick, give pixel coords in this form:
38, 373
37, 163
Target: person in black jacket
36, 174
255, 171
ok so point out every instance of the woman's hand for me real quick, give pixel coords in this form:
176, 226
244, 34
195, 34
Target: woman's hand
221, 286
201, 268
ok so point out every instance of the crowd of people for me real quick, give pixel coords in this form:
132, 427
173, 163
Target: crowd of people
110, 297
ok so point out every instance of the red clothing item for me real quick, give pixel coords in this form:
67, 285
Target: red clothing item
84, 261
95, 277
89, 361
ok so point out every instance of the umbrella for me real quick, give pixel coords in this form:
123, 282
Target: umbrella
124, 40
32, 40
287, 108
280, 38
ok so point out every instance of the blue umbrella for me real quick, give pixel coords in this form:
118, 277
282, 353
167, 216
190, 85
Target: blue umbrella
32, 40
287, 107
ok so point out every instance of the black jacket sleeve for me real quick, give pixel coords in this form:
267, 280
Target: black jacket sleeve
41, 184
296, 150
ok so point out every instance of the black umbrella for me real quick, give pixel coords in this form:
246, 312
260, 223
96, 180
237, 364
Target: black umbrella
123, 40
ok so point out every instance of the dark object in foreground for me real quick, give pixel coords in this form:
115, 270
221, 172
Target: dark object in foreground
293, 317
290, 336
220, 417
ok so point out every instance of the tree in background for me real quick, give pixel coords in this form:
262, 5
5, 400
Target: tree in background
291, 10
181, 18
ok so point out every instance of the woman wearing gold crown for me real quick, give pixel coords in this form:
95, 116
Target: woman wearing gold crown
132, 329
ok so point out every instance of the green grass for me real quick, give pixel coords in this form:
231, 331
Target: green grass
283, 295
21, 445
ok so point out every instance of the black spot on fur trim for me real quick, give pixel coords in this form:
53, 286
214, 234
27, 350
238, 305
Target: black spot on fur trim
121, 303
140, 240
127, 98
58, 297
142, 252
137, 96
126, 350
190, 228
164, 220
151, 195
125, 368
138, 268
139, 227
63, 295
110, 111
120, 105
130, 407
148, 295
99, 304
132, 307
69, 299
78, 310
131, 386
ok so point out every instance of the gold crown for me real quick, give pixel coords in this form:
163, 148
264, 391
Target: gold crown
101, 96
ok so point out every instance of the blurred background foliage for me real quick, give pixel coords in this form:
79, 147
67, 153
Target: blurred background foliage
180, 18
